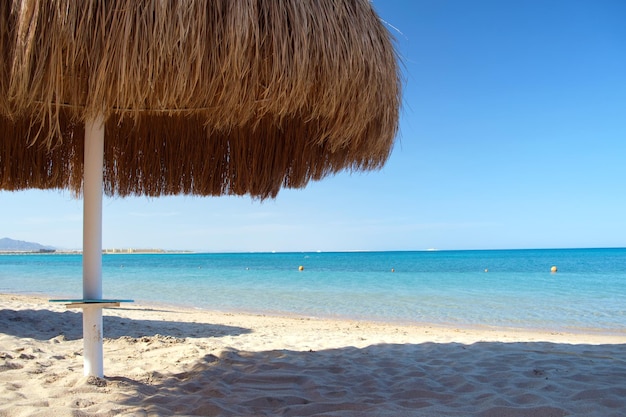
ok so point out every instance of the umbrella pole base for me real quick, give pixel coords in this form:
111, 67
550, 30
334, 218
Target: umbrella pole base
92, 341
92, 330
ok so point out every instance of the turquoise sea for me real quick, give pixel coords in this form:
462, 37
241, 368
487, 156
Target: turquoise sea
588, 293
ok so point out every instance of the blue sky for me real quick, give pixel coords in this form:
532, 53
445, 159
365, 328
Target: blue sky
513, 135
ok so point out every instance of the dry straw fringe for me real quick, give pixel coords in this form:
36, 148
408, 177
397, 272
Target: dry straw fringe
200, 97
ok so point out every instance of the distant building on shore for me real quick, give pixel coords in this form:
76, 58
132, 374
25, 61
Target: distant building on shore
132, 250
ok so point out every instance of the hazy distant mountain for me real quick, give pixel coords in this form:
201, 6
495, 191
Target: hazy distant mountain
7, 244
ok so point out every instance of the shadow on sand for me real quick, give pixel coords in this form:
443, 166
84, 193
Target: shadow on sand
483, 379
44, 325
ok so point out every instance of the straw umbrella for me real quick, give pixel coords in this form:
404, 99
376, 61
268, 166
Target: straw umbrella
210, 98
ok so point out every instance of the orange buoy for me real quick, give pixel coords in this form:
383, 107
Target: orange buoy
300, 268
553, 269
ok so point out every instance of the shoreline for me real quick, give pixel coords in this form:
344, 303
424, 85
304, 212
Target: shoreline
164, 360
414, 332
600, 334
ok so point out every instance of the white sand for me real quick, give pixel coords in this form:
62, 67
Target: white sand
162, 361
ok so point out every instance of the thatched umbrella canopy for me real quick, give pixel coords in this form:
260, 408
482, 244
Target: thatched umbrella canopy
203, 97
217, 97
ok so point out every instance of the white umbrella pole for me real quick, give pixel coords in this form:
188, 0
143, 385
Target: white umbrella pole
92, 246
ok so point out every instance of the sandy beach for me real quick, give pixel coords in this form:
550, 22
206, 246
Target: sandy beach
162, 361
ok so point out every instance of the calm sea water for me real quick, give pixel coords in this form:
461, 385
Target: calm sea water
445, 287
